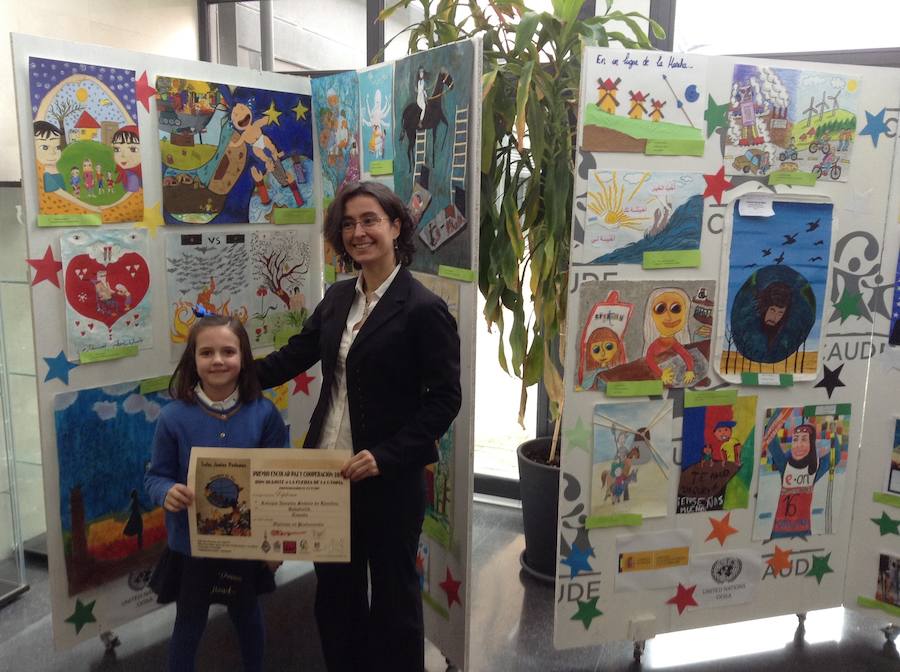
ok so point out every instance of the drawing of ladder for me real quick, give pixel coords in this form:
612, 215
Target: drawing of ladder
420, 154
460, 145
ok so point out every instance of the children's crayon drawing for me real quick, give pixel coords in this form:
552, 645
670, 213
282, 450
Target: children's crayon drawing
893, 480
777, 273
635, 101
645, 330
86, 140
894, 335
103, 443
376, 98
802, 471
107, 288
632, 454
335, 101
784, 121
259, 277
433, 94
223, 506
233, 154
632, 212
888, 587
717, 456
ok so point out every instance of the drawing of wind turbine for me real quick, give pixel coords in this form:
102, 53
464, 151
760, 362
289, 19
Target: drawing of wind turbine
809, 111
822, 106
834, 100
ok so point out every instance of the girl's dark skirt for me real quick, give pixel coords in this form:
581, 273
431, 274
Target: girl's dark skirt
204, 581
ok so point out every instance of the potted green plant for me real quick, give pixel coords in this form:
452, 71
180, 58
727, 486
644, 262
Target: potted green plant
530, 87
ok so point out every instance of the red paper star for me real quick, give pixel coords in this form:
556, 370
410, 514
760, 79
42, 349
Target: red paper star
780, 560
143, 91
716, 184
301, 383
47, 268
683, 598
721, 529
451, 587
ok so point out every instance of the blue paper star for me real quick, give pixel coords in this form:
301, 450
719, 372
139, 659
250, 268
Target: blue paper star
875, 126
577, 560
58, 367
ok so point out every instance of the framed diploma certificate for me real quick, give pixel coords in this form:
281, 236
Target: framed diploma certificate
269, 504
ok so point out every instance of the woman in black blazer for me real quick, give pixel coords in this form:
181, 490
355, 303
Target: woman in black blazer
390, 389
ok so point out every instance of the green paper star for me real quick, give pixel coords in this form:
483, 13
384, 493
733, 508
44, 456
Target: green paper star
886, 524
579, 436
587, 612
849, 304
716, 116
83, 614
820, 567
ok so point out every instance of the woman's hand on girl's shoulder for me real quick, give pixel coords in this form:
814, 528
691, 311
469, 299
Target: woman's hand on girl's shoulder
178, 498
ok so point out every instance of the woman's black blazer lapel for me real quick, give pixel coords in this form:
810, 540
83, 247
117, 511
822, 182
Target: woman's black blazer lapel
387, 307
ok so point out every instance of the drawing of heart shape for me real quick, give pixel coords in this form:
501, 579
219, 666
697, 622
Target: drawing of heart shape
106, 292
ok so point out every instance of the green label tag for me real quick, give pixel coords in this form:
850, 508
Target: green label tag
886, 498
768, 379
455, 273
330, 274
155, 384
793, 177
295, 216
674, 147
382, 167
69, 220
436, 531
105, 354
623, 519
710, 398
634, 388
878, 604
672, 259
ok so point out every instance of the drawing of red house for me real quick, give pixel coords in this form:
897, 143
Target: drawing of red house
86, 127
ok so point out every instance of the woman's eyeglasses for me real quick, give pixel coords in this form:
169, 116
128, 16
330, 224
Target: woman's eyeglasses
367, 222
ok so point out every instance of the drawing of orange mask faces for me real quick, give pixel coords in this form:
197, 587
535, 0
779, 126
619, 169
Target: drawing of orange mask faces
669, 314
241, 117
604, 352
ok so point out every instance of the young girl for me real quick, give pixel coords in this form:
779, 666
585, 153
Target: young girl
218, 402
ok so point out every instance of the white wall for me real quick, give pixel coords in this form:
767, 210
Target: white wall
155, 26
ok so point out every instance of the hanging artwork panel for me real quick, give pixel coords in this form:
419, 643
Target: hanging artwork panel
887, 589
234, 154
87, 143
716, 456
628, 213
335, 100
777, 275
785, 122
645, 330
893, 480
104, 438
107, 289
433, 96
638, 102
376, 114
258, 277
632, 455
802, 471
894, 334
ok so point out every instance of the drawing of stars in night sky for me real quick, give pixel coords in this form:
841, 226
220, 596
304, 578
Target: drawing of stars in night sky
895, 310
44, 74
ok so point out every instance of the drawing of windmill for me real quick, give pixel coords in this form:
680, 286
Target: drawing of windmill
834, 100
822, 106
811, 110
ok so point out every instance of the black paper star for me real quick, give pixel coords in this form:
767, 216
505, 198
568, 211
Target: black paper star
831, 379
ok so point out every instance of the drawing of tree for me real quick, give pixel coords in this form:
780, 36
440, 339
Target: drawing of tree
61, 110
280, 262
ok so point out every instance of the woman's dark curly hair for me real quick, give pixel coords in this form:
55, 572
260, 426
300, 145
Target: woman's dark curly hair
404, 246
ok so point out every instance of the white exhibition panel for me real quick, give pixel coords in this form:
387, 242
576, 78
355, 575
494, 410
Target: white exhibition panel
590, 608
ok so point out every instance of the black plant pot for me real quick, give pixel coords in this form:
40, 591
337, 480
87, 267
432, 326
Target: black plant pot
539, 487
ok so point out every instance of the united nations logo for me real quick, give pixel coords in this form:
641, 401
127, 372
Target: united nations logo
726, 570
138, 579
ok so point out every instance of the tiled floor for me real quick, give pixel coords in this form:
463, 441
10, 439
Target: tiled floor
512, 621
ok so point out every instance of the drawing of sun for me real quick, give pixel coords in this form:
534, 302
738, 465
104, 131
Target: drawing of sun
610, 203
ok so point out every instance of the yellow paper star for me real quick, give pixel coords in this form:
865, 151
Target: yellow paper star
272, 114
300, 110
153, 219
